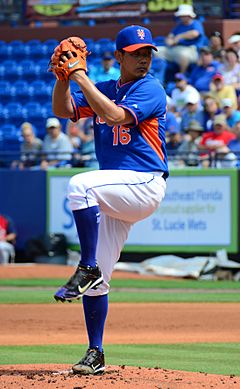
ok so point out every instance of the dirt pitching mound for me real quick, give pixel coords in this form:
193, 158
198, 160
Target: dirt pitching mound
60, 376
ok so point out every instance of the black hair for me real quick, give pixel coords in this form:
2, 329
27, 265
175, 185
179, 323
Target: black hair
217, 34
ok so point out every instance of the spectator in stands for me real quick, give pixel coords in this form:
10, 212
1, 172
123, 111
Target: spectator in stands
183, 41
73, 132
174, 139
220, 136
56, 146
8, 236
216, 45
230, 69
87, 150
182, 90
211, 108
224, 158
106, 71
222, 91
202, 73
193, 111
172, 122
232, 116
234, 144
31, 146
188, 150
234, 41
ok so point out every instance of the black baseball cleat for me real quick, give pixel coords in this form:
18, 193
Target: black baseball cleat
92, 363
84, 278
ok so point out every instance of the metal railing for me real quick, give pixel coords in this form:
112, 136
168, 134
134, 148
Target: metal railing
203, 158
14, 159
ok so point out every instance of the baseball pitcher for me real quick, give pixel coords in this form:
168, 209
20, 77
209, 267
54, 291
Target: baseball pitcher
129, 128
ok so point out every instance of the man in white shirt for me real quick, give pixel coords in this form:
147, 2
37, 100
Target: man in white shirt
182, 91
56, 145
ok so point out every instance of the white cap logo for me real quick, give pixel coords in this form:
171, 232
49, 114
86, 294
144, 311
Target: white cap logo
141, 33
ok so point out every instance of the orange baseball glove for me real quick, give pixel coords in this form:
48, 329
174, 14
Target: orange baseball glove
79, 52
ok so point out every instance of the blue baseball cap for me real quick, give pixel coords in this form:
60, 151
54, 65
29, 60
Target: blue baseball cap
134, 37
180, 77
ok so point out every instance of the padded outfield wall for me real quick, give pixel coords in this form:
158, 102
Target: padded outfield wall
200, 213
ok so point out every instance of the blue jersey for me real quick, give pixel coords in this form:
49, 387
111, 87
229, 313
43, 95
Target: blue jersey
195, 25
201, 76
141, 146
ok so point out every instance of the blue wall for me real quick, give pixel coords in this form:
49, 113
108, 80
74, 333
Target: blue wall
23, 198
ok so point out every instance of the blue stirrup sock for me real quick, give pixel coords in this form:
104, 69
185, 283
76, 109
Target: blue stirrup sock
95, 311
87, 223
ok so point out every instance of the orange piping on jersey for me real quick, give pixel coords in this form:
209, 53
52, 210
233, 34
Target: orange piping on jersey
81, 112
76, 116
131, 112
121, 85
149, 131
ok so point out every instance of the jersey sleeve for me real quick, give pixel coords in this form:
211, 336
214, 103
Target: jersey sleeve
80, 106
145, 100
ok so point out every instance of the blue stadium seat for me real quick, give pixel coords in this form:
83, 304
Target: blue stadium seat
90, 44
47, 107
21, 92
16, 42
38, 51
33, 42
8, 130
3, 119
51, 42
2, 72
12, 71
18, 51
5, 51
43, 64
41, 91
11, 148
35, 114
30, 70
12, 143
14, 113
13, 48
43, 71
5, 91
50, 46
102, 45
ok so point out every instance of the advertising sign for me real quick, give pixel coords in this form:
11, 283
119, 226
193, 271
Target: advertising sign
199, 213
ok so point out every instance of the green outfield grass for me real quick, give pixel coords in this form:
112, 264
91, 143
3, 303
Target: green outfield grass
18, 296
39, 291
215, 358
129, 283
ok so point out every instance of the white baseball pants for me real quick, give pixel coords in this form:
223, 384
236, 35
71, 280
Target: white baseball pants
7, 252
124, 198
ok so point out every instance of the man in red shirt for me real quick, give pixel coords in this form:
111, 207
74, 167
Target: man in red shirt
217, 138
214, 140
7, 239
